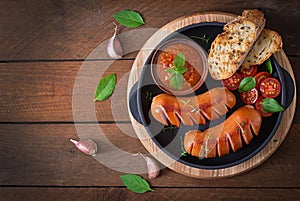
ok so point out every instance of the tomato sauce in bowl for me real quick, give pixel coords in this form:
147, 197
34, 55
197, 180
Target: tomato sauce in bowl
195, 64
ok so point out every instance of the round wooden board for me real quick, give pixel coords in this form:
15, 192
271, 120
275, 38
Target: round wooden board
161, 156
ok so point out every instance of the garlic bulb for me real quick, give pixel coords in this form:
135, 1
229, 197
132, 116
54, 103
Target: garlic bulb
114, 46
152, 166
87, 146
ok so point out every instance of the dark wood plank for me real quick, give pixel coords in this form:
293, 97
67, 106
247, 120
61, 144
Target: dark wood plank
41, 154
43, 91
295, 61
103, 194
73, 29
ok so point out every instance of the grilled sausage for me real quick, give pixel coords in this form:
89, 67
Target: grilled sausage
219, 139
192, 110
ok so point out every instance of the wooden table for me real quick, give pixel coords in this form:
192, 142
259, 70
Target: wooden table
44, 45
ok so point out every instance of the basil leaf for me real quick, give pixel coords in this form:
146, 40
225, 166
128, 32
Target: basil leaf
170, 71
181, 70
247, 84
179, 61
105, 87
129, 18
271, 105
269, 66
176, 80
135, 183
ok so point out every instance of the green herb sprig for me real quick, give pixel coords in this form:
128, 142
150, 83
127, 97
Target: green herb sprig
149, 95
203, 38
183, 151
171, 128
177, 71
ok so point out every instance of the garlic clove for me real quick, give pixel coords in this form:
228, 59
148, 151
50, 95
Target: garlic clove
87, 146
152, 166
114, 46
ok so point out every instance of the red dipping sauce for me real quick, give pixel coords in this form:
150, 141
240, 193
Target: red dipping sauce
195, 63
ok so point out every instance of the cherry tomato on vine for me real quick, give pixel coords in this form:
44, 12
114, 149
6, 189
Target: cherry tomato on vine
233, 82
270, 88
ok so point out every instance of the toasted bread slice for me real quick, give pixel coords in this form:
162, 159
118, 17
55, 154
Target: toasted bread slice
268, 43
230, 48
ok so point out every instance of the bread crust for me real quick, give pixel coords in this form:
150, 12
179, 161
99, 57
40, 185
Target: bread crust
230, 48
267, 44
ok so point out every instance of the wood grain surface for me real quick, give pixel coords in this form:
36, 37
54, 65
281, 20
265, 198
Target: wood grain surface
41, 154
56, 29
46, 44
104, 194
44, 90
